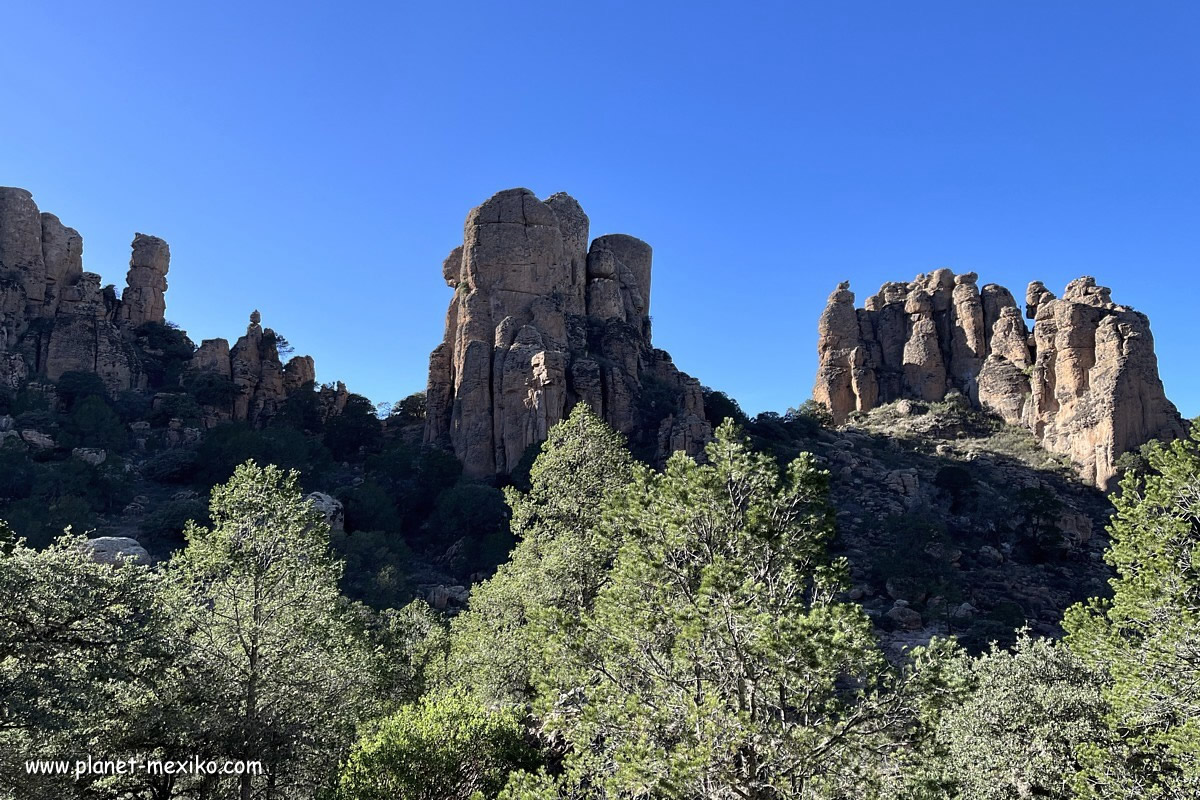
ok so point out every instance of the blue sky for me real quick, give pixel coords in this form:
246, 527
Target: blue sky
316, 160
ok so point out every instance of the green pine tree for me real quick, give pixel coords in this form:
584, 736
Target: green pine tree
560, 561
276, 672
1146, 639
717, 661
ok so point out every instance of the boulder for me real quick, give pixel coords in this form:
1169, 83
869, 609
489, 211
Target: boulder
37, 440
905, 618
90, 455
331, 509
116, 549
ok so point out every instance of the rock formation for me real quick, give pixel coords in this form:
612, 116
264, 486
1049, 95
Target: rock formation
1085, 383
55, 318
539, 322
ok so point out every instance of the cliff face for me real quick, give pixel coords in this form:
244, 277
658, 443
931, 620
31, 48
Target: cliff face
541, 321
55, 318
1085, 382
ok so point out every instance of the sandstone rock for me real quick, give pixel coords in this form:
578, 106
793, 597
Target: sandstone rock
1003, 389
261, 382
540, 322
440, 597
838, 341
298, 372
213, 356
62, 252
1076, 528
21, 262
1085, 383
13, 371
37, 440
905, 618
331, 509
905, 592
963, 614
990, 555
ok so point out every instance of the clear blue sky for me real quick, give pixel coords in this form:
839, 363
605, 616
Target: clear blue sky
316, 160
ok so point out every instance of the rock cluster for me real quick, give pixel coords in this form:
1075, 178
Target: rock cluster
56, 318
261, 381
541, 321
1085, 382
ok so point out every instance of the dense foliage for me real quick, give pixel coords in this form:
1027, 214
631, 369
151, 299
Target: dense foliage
676, 634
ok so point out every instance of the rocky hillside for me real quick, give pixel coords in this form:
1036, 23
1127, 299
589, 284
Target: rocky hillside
1085, 382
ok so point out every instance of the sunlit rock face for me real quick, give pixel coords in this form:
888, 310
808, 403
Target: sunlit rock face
1085, 381
540, 321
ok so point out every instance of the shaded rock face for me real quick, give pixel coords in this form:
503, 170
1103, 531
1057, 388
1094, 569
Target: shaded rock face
1085, 382
56, 318
540, 321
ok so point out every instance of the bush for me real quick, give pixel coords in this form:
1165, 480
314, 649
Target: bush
958, 483
166, 522
369, 508
75, 386
719, 407
42, 521
93, 423
474, 512
355, 431
408, 411
376, 566
902, 556
166, 352
302, 411
446, 747
172, 466
1037, 511
227, 446
209, 388
175, 406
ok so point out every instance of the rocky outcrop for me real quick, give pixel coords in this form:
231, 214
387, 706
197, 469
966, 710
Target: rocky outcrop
142, 300
54, 317
260, 381
540, 321
1085, 382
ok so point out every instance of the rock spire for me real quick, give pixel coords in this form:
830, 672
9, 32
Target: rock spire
541, 321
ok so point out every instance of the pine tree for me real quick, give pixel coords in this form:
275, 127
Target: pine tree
83, 646
276, 672
557, 567
1146, 639
717, 661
